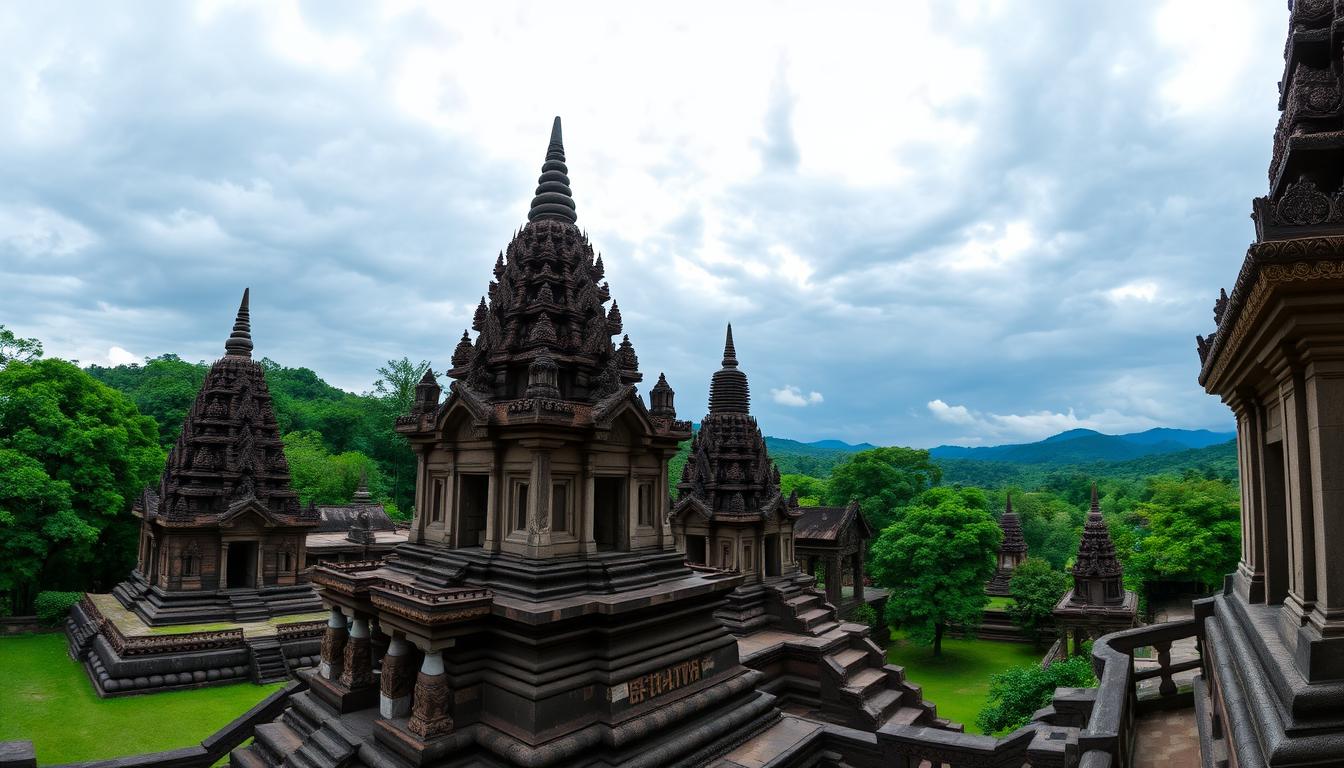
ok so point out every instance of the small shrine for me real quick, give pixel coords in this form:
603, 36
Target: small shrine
1012, 551
1098, 603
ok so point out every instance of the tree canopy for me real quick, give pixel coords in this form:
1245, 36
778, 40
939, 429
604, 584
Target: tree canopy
1036, 588
882, 480
1193, 531
17, 348
73, 455
935, 558
1015, 694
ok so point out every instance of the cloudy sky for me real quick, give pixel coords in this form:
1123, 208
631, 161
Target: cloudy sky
973, 222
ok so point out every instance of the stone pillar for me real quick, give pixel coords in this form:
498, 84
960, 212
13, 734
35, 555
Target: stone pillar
858, 577
429, 706
587, 507
261, 566
358, 668
1325, 427
1301, 597
394, 697
1250, 579
333, 646
421, 512
224, 565
539, 502
834, 581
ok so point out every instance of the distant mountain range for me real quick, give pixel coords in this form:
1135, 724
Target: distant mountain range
1084, 446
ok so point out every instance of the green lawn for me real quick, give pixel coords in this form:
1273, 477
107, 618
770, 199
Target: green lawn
958, 681
999, 603
46, 698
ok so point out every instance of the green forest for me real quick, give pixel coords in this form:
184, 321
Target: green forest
78, 444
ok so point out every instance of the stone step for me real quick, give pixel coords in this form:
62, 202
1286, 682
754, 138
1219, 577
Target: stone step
822, 629
905, 716
247, 757
881, 704
278, 739
867, 681
851, 659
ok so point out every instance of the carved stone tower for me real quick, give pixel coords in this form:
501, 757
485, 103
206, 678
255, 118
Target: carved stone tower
1012, 551
730, 514
541, 599
1098, 602
224, 516
1275, 638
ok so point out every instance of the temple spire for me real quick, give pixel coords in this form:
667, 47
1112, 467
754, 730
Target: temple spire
362, 495
728, 390
554, 199
239, 343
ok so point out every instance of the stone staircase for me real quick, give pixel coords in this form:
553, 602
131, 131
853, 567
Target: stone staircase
268, 661
132, 589
248, 606
802, 609
308, 735
862, 688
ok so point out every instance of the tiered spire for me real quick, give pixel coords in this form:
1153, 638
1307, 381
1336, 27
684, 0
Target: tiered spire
239, 343
729, 470
362, 495
547, 300
554, 197
229, 453
728, 390
1096, 570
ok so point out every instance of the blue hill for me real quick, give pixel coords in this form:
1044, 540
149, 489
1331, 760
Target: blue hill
1085, 445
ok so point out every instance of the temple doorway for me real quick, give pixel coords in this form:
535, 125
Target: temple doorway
471, 510
772, 555
608, 511
242, 564
695, 549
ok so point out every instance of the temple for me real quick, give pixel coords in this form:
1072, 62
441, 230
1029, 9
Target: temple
1012, 551
358, 530
1098, 602
222, 541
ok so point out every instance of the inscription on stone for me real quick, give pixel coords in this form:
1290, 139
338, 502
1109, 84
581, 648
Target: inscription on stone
668, 679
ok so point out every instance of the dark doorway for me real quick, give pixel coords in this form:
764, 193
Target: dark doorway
772, 555
471, 504
695, 549
608, 511
242, 564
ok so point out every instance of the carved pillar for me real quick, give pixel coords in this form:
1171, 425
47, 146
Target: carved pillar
1324, 401
261, 565
539, 501
333, 646
422, 494
429, 707
1297, 480
224, 565
394, 698
1250, 578
834, 580
358, 671
587, 506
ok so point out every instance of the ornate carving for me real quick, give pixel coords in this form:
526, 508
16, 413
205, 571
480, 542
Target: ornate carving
333, 646
1303, 203
395, 678
358, 669
429, 707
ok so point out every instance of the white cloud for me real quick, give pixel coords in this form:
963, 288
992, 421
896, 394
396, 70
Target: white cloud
33, 230
795, 398
1139, 290
118, 356
1035, 425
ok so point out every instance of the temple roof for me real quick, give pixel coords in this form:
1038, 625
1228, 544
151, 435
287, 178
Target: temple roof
547, 301
830, 523
1012, 529
1096, 551
229, 456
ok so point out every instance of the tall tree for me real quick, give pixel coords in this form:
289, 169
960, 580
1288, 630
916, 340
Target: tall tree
164, 388
75, 453
395, 388
1036, 588
883, 480
1194, 531
935, 558
16, 348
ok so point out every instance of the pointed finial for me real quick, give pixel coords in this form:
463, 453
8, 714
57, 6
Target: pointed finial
1096, 508
729, 352
554, 199
239, 343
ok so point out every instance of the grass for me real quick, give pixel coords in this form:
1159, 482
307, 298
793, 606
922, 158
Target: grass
999, 603
958, 681
47, 698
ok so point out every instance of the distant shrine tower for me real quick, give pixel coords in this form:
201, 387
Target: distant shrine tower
1012, 551
730, 513
1098, 603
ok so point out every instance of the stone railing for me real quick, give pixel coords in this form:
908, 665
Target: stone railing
296, 630
1108, 738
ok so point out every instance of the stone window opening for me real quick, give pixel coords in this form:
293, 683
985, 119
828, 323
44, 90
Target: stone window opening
646, 504
436, 507
520, 506
560, 506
